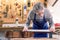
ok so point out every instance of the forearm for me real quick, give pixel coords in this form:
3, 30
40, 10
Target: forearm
51, 23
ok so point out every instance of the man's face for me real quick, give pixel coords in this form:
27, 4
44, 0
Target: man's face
40, 12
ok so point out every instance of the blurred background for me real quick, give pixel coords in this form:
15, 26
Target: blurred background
12, 9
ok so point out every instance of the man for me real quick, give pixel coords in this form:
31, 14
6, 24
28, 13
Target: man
40, 16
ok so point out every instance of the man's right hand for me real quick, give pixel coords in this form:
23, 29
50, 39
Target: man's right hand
25, 28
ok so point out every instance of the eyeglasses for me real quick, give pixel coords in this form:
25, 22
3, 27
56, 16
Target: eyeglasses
40, 11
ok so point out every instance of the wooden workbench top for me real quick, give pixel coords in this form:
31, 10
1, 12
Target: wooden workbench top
34, 39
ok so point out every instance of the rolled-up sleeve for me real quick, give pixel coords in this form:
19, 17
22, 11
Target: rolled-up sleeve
49, 18
29, 18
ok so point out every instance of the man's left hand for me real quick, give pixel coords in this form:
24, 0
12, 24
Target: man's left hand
52, 29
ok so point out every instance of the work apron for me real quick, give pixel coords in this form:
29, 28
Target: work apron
40, 25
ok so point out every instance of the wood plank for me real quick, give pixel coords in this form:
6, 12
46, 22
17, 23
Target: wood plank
31, 30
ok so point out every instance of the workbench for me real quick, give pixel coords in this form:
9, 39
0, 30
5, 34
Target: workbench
22, 35
34, 39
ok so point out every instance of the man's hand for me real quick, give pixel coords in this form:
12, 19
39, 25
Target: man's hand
52, 29
25, 28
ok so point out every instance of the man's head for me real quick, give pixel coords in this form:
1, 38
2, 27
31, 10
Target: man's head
38, 8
